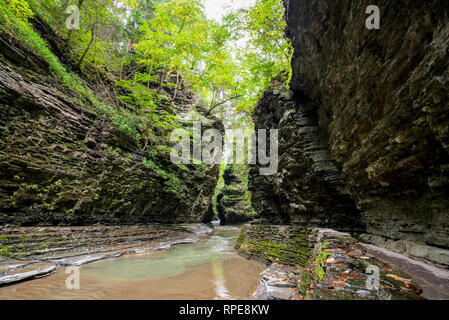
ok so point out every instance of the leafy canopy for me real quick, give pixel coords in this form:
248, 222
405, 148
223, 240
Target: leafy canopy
266, 53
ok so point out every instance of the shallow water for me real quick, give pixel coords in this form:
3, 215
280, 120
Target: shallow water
208, 269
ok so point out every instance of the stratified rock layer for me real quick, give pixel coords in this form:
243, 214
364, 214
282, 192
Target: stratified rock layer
233, 205
276, 244
383, 105
33, 252
308, 188
380, 103
63, 163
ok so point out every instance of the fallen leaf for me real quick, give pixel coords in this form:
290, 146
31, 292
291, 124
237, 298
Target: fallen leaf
339, 283
399, 278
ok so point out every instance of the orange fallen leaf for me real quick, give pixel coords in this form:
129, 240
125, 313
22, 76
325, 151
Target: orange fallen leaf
399, 278
339, 283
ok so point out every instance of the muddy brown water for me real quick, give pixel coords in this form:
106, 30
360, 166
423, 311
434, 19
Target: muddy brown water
208, 269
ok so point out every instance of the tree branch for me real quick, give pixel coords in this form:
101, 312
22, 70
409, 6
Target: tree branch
220, 103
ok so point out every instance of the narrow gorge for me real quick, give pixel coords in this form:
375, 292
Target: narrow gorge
90, 118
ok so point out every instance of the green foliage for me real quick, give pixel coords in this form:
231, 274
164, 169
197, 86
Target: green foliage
205, 53
20, 8
171, 182
24, 32
321, 262
267, 54
314, 272
5, 251
220, 185
138, 48
179, 38
169, 37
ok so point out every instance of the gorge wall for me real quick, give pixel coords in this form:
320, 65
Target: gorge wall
364, 132
233, 204
63, 163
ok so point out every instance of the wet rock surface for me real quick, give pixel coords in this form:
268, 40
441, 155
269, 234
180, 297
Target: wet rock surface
346, 270
11, 272
438, 257
37, 251
278, 282
350, 273
275, 244
433, 281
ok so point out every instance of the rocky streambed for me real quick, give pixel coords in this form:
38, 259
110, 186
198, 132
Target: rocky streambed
349, 270
129, 262
31, 252
199, 267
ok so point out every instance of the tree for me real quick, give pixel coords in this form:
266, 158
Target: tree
174, 39
267, 52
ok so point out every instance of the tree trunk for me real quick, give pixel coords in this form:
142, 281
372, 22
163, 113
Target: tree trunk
92, 38
161, 78
177, 84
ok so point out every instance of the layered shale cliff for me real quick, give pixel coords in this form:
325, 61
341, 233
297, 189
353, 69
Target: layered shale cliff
308, 188
364, 132
63, 163
233, 200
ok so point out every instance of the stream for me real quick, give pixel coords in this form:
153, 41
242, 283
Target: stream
208, 269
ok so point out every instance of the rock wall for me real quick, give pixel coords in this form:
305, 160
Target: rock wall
233, 205
379, 99
307, 189
276, 244
63, 163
